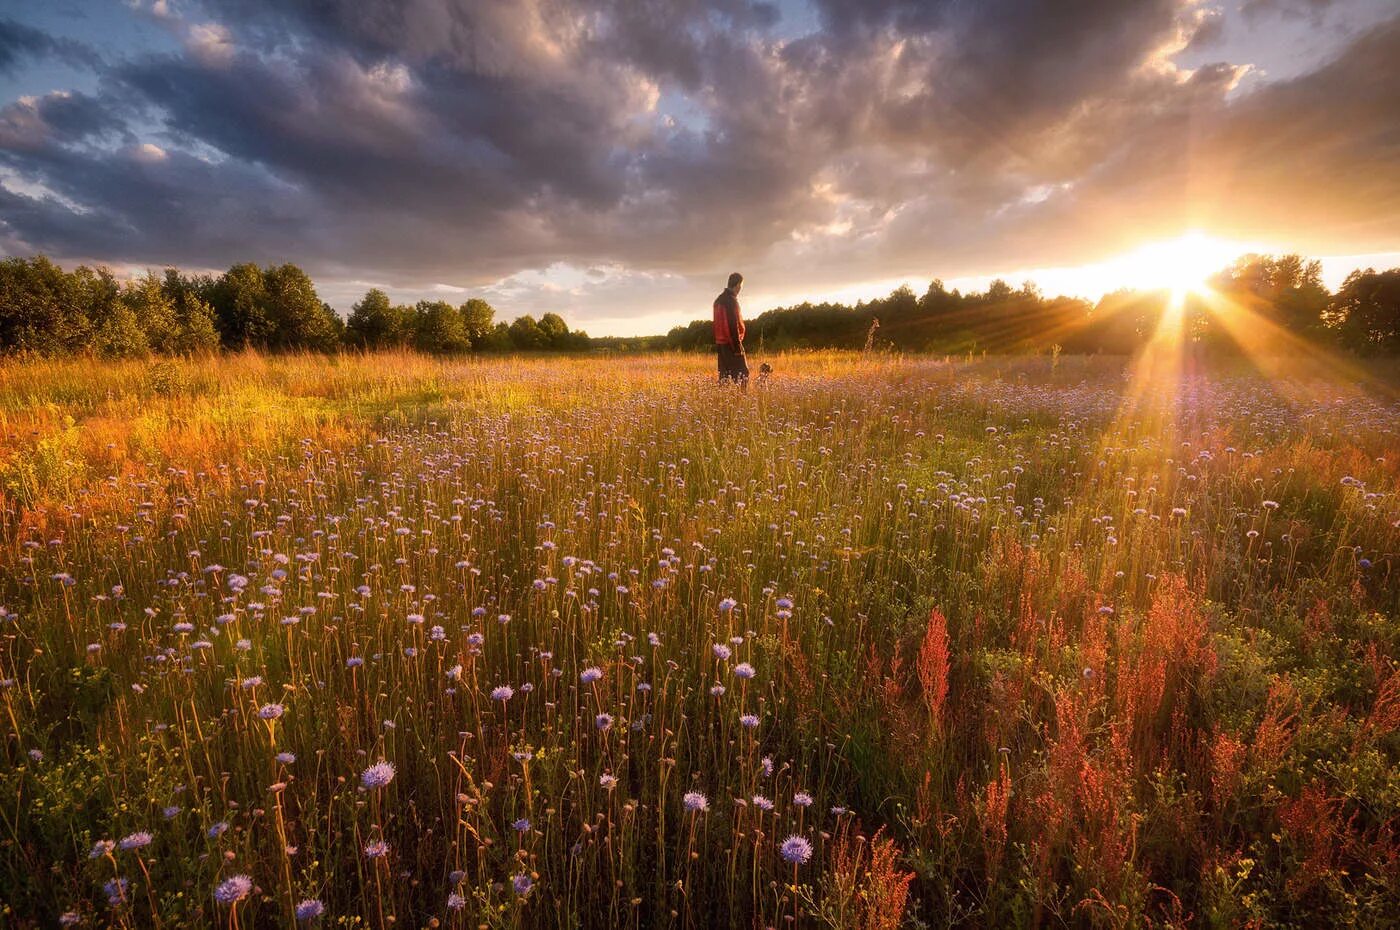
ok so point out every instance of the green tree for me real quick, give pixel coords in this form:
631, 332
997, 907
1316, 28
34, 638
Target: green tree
375, 323
477, 317
554, 331
301, 320
240, 301
154, 310
1287, 290
1365, 312
196, 332
112, 329
526, 335
497, 340
438, 327
38, 312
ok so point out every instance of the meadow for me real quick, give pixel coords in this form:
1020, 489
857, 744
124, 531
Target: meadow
385, 640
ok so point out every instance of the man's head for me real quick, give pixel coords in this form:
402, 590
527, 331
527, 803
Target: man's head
736, 281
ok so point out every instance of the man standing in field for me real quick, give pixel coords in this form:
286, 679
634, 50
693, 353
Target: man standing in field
729, 334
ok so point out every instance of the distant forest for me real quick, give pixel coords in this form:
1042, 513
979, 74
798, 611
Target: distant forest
1261, 301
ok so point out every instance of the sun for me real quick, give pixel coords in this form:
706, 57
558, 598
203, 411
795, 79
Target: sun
1181, 265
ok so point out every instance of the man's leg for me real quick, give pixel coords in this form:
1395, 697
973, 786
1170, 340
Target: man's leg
726, 363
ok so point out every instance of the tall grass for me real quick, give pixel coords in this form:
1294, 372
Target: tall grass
586, 642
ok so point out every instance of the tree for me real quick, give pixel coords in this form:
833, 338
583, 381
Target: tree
301, 320
113, 330
240, 302
438, 327
154, 311
375, 323
526, 335
497, 340
477, 316
1365, 312
1287, 290
554, 331
195, 330
38, 312
998, 290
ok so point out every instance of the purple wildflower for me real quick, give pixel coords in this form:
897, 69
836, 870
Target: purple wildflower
795, 849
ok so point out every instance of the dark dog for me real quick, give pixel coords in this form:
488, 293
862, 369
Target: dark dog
765, 371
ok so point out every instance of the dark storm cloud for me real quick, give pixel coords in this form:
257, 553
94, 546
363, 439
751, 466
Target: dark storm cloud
19, 43
465, 141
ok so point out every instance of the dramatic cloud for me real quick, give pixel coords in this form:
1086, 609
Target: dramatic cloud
517, 144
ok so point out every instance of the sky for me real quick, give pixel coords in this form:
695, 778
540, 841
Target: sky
614, 160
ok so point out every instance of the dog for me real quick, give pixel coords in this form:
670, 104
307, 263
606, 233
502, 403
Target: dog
765, 371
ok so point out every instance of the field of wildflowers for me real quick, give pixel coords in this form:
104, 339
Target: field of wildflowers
389, 641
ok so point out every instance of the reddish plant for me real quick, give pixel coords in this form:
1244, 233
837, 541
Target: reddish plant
995, 801
934, 667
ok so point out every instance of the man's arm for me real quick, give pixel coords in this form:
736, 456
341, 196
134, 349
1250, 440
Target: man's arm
731, 312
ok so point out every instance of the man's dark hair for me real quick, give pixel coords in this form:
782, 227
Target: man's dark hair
735, 280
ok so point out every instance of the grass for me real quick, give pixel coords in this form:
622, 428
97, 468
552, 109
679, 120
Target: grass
1028, 647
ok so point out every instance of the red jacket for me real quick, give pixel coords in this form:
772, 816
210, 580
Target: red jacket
729, 322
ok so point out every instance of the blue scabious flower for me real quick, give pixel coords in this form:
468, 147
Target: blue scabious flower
721, 651
802, 799
744, 670
271, 711
695, 801
456, 902
115, 889
375, 849
309, 909
234, 889
135, 840
521, 884
521, 826
795, 849
502, 693
377, 775
603, 721
728, 604
590, 674
749, 721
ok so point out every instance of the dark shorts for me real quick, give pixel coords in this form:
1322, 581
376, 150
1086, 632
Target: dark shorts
732, 365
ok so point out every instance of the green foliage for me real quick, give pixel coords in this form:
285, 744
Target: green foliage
438, 327
1365, 313
526, 335
477, 317
375, 323
240, 302
115, 331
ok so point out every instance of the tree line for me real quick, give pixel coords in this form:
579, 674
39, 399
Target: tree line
45, 310
1280, 301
